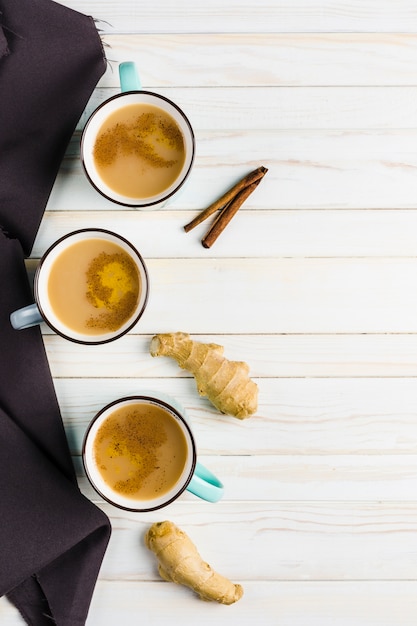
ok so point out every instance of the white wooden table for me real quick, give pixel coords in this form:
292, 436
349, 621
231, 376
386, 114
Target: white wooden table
314, 284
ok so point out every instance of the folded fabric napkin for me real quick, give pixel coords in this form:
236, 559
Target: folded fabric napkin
52, 538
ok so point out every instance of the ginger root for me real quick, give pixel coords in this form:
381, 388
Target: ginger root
180, 562
225, 383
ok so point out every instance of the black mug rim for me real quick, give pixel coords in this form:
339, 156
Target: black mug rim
134, 204
58, 331
168, 407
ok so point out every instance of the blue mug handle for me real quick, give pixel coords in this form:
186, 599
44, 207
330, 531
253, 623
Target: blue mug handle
129, 77
205, 485
26, 317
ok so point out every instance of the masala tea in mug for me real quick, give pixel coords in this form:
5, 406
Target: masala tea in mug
139, 151
139, 454
140, 451
93, 286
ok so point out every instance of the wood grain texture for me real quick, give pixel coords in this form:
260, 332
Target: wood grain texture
215, 16
323, 416
310, 296
307, 169
297, 60
389, 355
314, 285
276, 108
354, 478
261, 233
328, 603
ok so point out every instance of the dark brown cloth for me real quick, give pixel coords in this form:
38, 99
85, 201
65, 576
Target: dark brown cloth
52, 538
52, 62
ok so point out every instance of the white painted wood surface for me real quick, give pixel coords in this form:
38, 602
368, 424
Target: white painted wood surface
314, 284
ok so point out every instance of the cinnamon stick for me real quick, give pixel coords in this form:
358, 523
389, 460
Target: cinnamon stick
226, 214
247, 180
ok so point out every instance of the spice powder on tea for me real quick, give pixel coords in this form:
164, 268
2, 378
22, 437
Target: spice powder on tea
112, 287
139, 151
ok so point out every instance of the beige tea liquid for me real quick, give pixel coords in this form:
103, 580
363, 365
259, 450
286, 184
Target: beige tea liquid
140, 451
139, 151
94, 286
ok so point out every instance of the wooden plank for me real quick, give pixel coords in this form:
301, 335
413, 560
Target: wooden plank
185, 16
307, 169
286, 296
313, 541
269, 356
235, 59
261, 233
267, 603
148, 602
268, 477
266, 108
296, 416
327, 603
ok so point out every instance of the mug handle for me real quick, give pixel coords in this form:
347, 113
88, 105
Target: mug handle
205, 485
26, 317
129, 77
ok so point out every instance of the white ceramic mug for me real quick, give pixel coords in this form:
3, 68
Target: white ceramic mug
194, 477
42, 310
132, 94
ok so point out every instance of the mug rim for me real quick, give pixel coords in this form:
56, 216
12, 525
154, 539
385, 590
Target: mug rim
134, 203
141, 398
60, 332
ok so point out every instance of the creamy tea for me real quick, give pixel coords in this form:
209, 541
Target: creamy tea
140, 451
94, 286
139, 151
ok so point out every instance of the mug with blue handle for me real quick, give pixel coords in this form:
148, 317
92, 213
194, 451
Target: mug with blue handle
42, 310
132, 94
193, 477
